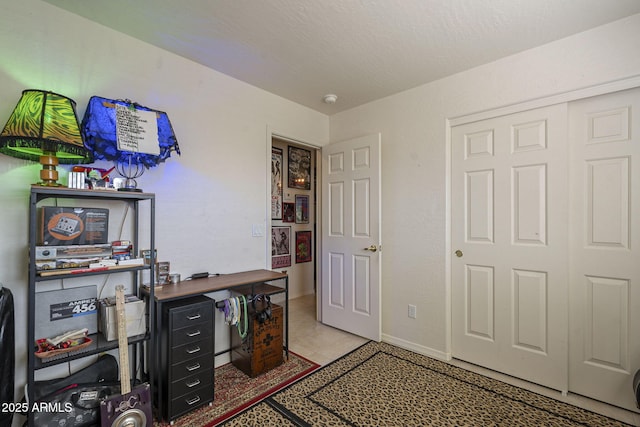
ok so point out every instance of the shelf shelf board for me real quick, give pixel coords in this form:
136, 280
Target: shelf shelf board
54, 275
99, 345
74, 193
259, 288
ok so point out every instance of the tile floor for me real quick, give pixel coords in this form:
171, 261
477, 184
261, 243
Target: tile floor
323, 344
312, 339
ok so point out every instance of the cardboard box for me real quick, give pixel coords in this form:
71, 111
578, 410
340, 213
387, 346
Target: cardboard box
73, 226
73, 251
46, 264
66, 310
134, 310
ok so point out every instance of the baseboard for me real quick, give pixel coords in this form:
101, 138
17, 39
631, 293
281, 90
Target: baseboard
416, 348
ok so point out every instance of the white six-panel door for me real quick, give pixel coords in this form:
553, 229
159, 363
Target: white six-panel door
605, 246
351, 236
509, 274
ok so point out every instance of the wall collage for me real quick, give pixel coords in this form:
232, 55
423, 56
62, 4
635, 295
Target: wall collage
292, 205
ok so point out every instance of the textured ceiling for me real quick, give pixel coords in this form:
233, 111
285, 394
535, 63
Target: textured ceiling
361, 50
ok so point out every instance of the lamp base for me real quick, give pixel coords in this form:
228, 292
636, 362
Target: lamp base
130, 171
48, 173
48, 184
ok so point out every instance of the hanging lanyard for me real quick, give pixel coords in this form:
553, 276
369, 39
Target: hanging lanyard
242, 333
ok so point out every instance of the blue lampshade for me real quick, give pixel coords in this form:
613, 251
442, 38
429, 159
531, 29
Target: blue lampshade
100, 130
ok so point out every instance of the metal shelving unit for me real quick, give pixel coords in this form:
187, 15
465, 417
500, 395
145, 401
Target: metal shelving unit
99, 343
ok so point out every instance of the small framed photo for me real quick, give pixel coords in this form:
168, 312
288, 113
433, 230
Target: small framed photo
276, 183
288, 212
303, 246
299, 168
280, 247
302, 209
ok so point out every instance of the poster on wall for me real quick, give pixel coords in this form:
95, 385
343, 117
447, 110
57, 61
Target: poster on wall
280, 247
303, 246
299, 168
288, 212
302, 209
276, 183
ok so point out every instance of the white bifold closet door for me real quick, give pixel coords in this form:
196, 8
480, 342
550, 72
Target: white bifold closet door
546, 219
604, 336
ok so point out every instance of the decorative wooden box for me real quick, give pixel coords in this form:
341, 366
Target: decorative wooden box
262, 348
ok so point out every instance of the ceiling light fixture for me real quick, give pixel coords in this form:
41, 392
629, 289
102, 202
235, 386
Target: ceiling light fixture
330, 98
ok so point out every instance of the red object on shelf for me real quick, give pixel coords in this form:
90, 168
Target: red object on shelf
47, 350
104, 173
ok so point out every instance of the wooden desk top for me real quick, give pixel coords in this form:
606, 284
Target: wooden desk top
215, 283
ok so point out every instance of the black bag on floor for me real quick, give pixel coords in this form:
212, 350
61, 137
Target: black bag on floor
7, 353
105, 369
75, 398
76, 405
636, 388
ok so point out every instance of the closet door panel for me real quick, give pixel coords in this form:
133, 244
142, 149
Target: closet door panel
604, 347
509, 237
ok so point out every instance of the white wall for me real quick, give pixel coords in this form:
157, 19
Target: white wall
413, 126
207, 199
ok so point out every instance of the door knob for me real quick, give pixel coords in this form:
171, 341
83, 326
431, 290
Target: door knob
459, 253
371, 248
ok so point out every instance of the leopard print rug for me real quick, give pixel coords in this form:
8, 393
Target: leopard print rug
382, 385
234, 391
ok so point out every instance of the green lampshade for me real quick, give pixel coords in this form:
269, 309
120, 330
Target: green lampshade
44, 124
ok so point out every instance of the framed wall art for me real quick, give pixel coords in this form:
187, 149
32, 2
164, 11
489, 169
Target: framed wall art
288, 212
303, 246
280, 247
276, 183
299, 168
302, 209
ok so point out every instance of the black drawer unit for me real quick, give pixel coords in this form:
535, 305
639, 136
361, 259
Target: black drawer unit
186, 375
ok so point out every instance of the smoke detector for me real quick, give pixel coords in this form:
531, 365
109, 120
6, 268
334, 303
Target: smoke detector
330, 98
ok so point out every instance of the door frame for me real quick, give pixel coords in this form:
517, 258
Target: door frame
450, 122
317, 150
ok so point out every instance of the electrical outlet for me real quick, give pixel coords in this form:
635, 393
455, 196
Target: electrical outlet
412, 311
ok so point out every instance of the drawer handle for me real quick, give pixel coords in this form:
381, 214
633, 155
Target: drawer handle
193, 350
193, 383
194, 334
193, 401
193, 367
197, 316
